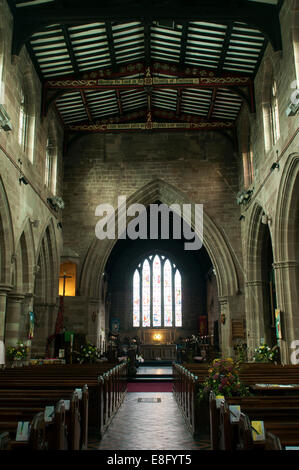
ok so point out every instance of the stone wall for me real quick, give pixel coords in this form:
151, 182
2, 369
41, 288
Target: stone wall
29, 234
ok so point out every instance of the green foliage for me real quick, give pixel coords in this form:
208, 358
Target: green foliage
88, 353
240, 351
223, 379
16, 352
265, 354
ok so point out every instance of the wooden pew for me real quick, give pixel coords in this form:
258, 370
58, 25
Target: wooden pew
106, 389
189, 377
280, 419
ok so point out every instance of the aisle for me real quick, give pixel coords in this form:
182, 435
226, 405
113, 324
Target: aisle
148, 421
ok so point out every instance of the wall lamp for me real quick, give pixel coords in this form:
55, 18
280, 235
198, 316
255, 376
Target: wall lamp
274, 165
242, 217
23, 180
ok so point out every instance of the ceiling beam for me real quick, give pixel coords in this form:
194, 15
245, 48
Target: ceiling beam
225, 47
147, 43
70, 49
212, 104
29, 20
111, 45
154, 82
184, 38
119, 103
86, 106
178, 102
154, 126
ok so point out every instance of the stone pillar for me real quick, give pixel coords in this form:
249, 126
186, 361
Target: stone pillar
286, 279
14, 307
255, 326
225, 328
4, 289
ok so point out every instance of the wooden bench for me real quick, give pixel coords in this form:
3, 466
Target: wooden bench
280, 416
106, 387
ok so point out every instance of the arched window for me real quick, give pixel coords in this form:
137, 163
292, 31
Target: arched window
157, 293
67, 279
51, 164
274, 115
247, 154
23, 121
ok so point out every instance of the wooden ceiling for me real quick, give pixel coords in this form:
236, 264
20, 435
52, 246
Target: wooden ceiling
112, 68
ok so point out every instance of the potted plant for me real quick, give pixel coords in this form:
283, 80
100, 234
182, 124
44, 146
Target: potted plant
265, 354
223, 380
16, 354
88, 353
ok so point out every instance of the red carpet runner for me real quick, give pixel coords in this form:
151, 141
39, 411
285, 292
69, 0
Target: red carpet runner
149, 387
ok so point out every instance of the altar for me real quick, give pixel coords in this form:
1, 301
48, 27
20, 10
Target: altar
157, 344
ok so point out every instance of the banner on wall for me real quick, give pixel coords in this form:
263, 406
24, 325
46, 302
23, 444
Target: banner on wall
278, 324
115, 325
31, 325
203, 325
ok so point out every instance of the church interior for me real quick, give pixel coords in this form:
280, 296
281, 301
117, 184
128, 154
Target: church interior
186, 115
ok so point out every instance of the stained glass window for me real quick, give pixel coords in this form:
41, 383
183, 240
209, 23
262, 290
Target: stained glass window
178, 298
167, 294
157, 293
136, 299
146, 294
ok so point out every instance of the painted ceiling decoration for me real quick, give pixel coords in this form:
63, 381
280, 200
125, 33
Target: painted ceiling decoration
106, 70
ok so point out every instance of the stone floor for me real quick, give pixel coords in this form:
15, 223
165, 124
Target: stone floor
148, 424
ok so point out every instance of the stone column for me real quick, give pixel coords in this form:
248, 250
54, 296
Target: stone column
287, 279
13, 318
255, 327
4, 289
225, 328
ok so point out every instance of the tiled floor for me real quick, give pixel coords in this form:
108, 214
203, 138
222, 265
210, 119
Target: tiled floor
148, 425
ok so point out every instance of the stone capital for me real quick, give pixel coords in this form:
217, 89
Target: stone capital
223, 300
256, 283
285, 265
15, 297
4, 289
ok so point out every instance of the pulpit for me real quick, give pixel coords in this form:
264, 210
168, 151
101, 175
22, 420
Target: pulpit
157, 344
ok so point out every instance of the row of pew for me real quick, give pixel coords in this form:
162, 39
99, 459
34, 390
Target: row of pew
85, 398
189, 377
230, 431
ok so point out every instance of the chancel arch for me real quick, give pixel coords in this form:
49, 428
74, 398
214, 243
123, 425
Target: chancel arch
214, 241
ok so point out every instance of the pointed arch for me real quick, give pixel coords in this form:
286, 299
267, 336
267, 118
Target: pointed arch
214, 241
286, 220
7, 246
25, 259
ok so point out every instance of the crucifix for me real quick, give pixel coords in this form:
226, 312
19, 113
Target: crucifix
64, 277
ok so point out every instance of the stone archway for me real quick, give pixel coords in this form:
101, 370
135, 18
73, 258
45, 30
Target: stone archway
45, 287
6, 254
214, 240
19, 301
260, 294
286, 252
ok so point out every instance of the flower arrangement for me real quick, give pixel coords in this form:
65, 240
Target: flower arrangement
223, 379
240, 349
88, 353
17, 352
265, 354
